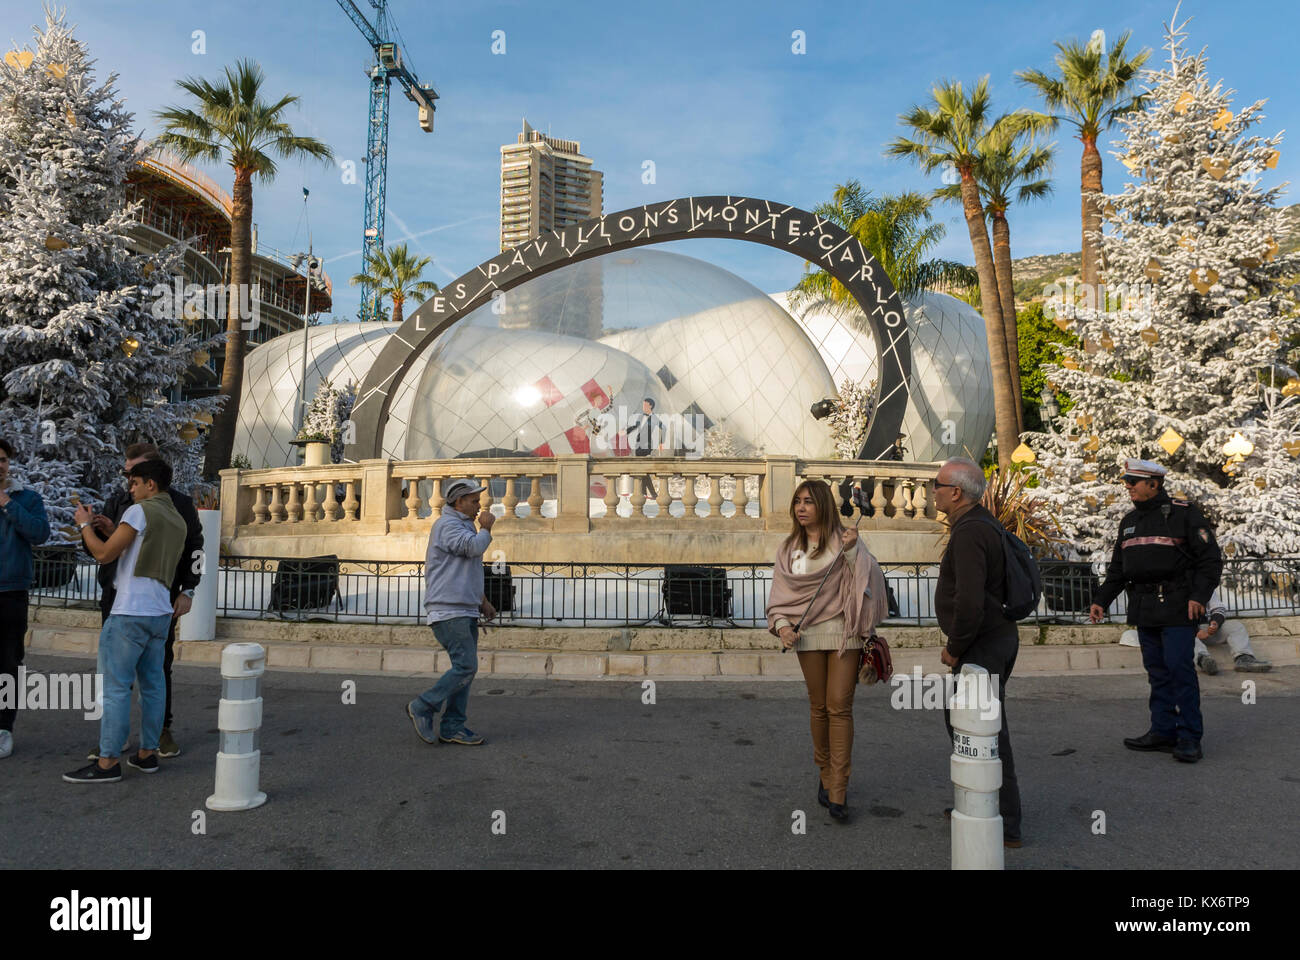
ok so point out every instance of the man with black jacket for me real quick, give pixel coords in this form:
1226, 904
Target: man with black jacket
182, 586
968, 605
1168, 561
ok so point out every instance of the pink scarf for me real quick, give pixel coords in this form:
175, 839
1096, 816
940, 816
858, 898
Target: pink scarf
859, 594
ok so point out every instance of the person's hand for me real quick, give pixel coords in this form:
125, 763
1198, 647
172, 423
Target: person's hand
1211, 629
1096, 614
489, 612
948, 659
848, 538
1203, 633
486, 518
103, 525
788, 637
4, 499
83, 514
1194, 610
181, 606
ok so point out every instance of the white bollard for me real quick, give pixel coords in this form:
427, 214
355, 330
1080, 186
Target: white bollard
201, 622
239, 719
976, 717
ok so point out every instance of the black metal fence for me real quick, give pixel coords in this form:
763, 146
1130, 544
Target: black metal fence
613, 595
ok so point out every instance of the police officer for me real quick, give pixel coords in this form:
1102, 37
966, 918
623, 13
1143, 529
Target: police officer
1167, 559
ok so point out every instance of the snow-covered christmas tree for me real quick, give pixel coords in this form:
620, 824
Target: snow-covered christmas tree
87, 365
1169, 361
850, 418
1263, 506
326, 415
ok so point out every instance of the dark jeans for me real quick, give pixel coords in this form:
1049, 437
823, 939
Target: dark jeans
459, 637
999, 663
1175, 700
106, 598
647, 484
13, 632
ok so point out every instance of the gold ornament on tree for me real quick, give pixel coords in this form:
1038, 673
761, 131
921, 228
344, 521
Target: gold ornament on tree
1292, 447
1149, 335
130, 345
1089, 477
188, 432
1170, 441
203, 417
1291, 388
1221, 119
1070, 363
1270, 250
1093, 444
1271, 160
1022, 454
1107, 342
1203, 278
57, 70
55, 243
71, 117
1218, 169
1184, 102
19, 59
1186, 242
1249, 263
201, 358
1153, 270
1260, 482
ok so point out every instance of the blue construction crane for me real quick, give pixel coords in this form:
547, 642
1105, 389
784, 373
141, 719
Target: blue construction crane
386, 67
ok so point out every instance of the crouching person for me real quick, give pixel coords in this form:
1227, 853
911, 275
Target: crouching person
147, 546
453, 600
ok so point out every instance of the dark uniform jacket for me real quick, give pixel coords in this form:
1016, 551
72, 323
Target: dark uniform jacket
1165, 556
185, 578
972, 583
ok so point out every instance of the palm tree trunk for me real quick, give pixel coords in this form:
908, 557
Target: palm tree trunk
1090, 182
1007, 298
1003, 399
221, 440
397, 309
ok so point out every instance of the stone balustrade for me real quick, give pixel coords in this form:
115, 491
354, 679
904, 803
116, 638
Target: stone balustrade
338, 508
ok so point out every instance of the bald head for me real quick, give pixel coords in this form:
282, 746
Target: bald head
967, 476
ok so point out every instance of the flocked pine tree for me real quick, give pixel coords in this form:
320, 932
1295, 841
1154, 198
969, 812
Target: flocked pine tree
1263, 506
1168, 362
87, 365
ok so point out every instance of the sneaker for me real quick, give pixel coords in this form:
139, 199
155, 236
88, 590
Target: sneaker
94, 752
464, 736
423, 724
1248, 664
147, 764
1209, 666
92, 773
167, 744
1013, 843
1188, 751
6, 743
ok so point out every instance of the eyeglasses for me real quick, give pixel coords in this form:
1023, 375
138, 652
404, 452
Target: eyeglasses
1133, 481
938, 485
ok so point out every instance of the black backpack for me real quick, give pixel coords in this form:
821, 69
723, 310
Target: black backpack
1024, 585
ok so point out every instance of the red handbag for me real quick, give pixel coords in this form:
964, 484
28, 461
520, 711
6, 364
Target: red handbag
875, 664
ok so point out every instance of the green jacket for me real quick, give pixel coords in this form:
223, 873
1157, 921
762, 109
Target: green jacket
164, 540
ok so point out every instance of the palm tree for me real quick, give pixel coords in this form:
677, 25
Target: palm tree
1090, 96
1008, 169
233, 121
949, 137
395, 273
897, 231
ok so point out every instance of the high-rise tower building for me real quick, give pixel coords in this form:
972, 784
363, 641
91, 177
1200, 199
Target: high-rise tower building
546, 184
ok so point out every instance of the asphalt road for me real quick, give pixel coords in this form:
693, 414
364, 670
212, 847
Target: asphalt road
708, 776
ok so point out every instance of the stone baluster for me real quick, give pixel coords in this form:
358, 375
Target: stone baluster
485, 500
511, 499
331, 508
294, 507
877, 497
535, 496
611, 494
435, 497
900, 501
689, 497
260, 512
638, 496
715, 494
277, 504
664, 498
413, 499
309, 502
920, 502
350, 502
741, 499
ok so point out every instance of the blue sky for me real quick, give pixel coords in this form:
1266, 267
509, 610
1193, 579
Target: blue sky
710, 91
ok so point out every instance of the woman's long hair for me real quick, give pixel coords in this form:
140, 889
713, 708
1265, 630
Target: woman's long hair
828, 518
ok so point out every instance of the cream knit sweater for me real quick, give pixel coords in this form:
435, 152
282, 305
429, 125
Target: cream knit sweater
825, 635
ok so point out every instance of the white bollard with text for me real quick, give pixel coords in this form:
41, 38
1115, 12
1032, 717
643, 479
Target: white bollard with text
239, 718
976, 717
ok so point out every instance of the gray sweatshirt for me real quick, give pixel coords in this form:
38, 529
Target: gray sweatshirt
453, 567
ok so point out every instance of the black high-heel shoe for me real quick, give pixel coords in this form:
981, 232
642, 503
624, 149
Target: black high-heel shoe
838, 812
823, 797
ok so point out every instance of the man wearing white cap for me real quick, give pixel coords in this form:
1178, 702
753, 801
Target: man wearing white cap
453, 600
1167, 560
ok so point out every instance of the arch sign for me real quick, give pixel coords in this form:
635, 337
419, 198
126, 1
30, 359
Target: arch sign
803, 234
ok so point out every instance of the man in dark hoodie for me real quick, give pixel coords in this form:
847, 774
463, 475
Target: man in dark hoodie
968, 605
183, 583
23, 525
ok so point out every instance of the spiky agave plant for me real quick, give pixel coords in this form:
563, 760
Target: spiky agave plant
1007, 497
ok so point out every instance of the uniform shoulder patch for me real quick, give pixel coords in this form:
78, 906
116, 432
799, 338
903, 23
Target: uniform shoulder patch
1180, 503
1204, 534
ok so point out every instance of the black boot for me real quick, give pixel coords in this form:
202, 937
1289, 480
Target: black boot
1188, 751
823, 797
1150, 741
839, 812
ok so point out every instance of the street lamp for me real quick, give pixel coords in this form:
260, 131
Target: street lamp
1050, 407
312, 266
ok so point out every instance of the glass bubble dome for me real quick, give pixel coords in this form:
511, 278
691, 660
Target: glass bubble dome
522, 373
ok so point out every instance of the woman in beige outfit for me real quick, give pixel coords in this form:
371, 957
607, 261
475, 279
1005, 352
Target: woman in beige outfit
845, 611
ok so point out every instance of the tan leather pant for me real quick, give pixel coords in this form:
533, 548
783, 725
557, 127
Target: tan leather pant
832, 680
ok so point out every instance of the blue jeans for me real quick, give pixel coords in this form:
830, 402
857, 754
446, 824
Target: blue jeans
459, 637
132, 649
1175, 694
